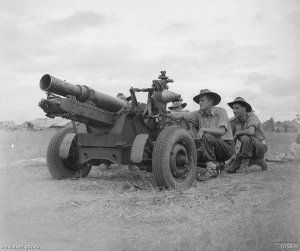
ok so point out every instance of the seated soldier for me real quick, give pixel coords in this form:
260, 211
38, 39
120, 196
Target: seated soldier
247, 128
211, 125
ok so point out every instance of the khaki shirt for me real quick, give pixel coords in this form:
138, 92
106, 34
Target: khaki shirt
216, 119
250, 119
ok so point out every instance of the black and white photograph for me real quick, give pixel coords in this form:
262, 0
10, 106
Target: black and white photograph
162, 125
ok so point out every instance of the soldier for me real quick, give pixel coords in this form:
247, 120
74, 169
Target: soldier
211, 125
247, 128
177, 106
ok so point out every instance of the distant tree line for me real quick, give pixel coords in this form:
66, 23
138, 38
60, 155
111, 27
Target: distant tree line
282, 126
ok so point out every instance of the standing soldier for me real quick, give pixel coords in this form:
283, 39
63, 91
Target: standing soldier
211, 125
247, 128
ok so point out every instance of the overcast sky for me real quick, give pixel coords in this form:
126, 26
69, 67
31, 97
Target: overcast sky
233, 47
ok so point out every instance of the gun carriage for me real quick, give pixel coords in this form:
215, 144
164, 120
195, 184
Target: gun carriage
108, 130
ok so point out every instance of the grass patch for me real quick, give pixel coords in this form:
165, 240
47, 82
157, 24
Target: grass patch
251, 211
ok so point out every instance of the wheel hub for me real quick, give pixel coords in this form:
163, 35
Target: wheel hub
179, 161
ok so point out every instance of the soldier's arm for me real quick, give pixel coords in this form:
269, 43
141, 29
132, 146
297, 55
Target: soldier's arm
187, 116
252, 124
214, 131
250, 131
175, 115
223, 124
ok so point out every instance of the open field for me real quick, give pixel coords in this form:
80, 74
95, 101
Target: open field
119, 209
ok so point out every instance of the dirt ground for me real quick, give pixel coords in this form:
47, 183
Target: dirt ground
119, 209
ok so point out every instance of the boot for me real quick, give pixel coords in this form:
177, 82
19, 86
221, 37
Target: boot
262, 164
245, 165
234, 165
210, 172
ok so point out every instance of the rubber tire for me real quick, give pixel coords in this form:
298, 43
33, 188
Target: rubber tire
55, 164
161, 158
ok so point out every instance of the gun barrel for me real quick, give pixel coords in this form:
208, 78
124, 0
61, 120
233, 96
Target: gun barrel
82, 93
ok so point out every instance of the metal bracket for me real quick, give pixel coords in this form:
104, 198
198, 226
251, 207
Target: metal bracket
65, 146
137, 149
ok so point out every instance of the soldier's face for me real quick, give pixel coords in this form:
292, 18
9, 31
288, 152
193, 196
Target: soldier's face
238, 110
204, 102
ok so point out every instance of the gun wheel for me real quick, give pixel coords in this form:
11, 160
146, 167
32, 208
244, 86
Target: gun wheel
174, 158
65, 168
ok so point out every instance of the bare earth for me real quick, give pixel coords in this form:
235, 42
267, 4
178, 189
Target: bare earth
119, 209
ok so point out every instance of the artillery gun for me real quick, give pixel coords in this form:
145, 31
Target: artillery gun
108, 130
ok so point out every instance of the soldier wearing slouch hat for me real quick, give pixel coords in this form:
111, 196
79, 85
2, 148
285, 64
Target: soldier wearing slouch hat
248, 130
210, 124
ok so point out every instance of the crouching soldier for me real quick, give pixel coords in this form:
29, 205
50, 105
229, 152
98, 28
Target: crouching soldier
247, 128
211, 125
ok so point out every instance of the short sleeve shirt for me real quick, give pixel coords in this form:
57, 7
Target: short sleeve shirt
250, 119
216, 119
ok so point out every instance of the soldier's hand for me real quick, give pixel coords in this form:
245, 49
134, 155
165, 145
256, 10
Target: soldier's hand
200, 133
